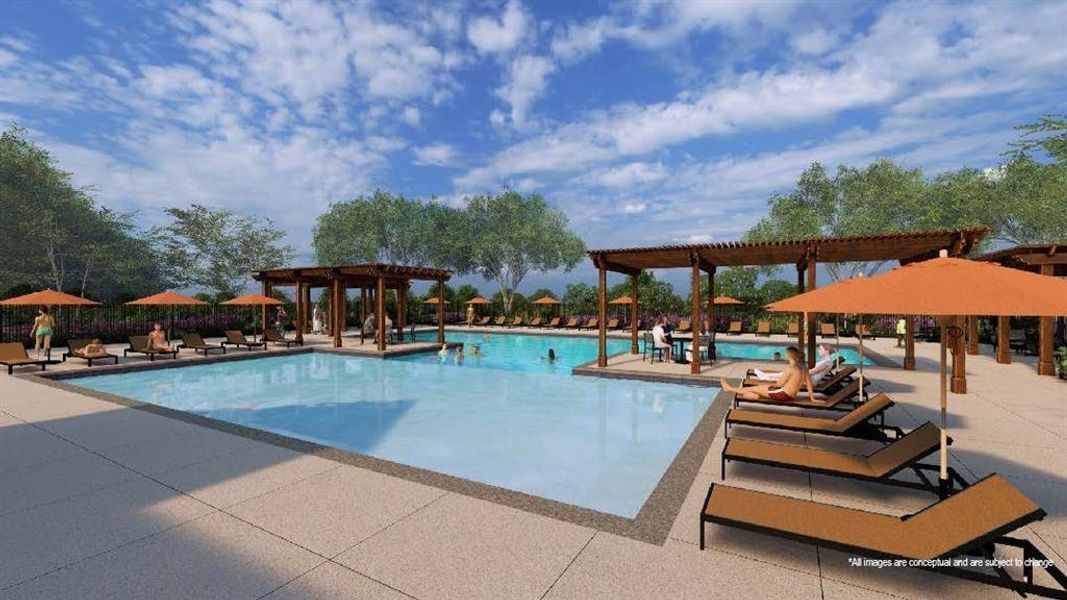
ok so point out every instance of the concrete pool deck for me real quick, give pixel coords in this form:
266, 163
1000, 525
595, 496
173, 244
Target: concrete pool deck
101, 500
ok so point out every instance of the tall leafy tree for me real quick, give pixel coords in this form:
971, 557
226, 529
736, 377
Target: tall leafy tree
655, 296
504, 237
55, 234
217, 249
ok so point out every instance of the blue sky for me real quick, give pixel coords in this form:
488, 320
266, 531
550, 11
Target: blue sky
648, 122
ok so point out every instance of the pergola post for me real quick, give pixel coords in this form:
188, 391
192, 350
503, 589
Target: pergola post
800, 316
308, 309
711, 314
401, 309
1045, 365
972, 335
694, 308
634, 318
441, 311
267, 290
1004, 340
959, 357
909, 343
362, 314
379, 313
812, 317
602, 313
300, 311
337, 312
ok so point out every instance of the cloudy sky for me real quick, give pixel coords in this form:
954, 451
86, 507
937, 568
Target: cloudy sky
648, 122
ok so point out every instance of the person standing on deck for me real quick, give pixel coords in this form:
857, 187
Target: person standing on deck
316, 320
470, 315
902, 328
44, 325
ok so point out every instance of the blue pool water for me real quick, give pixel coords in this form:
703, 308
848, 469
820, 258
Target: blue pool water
526, 352
597, 443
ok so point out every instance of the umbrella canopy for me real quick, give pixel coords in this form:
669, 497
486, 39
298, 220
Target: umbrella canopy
942, 287
48, 298
477, 300
939, 287
253, 300
434, 300
546, 300
725, 301
167, 299
622, 300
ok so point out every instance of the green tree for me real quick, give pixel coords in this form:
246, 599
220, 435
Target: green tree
384, 227
655, 297
217, 249
465, 293
506, 236
54, 234
579, 298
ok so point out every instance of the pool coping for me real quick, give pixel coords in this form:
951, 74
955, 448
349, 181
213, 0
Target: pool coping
652, 524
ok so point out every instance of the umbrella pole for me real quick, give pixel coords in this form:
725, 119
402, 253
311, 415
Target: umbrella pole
860, 332
943, 482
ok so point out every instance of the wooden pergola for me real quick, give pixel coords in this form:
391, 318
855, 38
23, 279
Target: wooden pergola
904, 247
1046, 259
372, 280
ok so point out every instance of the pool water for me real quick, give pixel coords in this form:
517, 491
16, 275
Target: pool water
598, 443
527, 352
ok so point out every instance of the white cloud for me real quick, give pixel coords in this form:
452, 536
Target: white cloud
634, 208
816, 41
526, 81
412, 116
435, 154
628, 175
491, 35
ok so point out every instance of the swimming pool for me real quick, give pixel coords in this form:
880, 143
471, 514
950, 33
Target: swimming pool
526, 352
597, 443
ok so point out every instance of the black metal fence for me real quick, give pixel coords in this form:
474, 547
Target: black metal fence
116, 323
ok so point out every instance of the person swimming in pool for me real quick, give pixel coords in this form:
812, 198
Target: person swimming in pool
442, 354
459, 355
476, 350
785, 389
551, 356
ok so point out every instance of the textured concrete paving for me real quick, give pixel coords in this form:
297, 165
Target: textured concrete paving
102, 501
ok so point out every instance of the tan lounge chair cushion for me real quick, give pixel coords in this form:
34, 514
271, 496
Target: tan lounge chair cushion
991, 506
848, 420
15, 353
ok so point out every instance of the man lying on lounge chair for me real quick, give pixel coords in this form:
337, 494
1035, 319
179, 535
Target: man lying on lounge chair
787, 386
820, 370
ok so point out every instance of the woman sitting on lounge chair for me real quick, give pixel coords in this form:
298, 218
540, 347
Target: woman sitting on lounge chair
157, 340
94, 349
817, 373
785, 389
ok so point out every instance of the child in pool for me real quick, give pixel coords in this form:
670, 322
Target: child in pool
442, 354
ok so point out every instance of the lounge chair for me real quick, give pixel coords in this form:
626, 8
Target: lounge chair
590, 324
535, 322
516, 322
844, 395
683, 327
864, 421
13, 354
792, 328
613, 324
74, 348
236, 338
500, 321
880, 466
573, 323
763, 328
194, 342
482, 322
735, 328
272, 336
837, 379
972, 523
553, 323
827, 330
864, 330
139, 345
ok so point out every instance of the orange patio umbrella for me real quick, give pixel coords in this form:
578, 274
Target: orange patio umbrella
622, 300
170, 299
940, 287
725, 301
433, 300
546, 301
253, 300
477, 300
48, 298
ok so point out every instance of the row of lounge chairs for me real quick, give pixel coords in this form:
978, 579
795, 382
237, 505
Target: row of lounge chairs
971, 520
13, 354
575, 323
